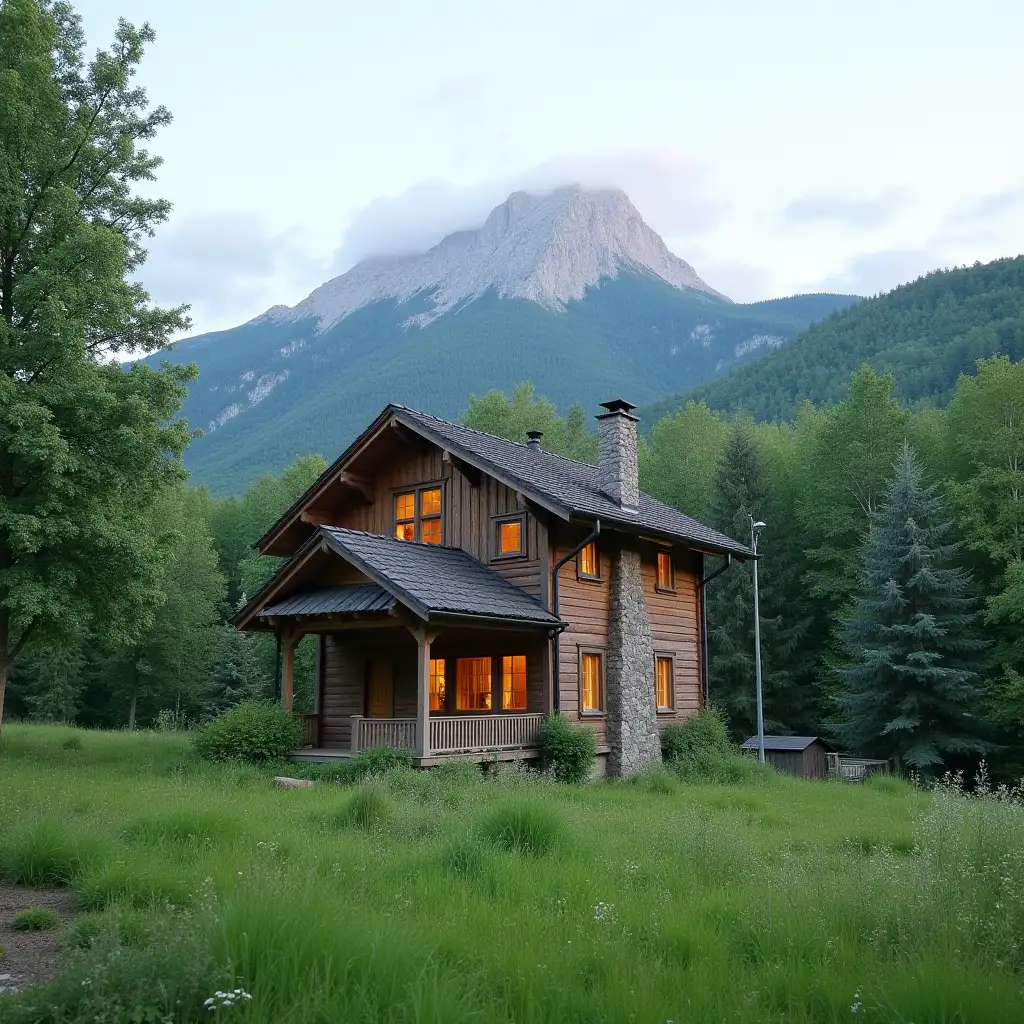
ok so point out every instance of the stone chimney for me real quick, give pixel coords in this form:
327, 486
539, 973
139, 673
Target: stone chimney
617, 473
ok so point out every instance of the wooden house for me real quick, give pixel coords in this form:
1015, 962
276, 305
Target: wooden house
462, 585
798, 755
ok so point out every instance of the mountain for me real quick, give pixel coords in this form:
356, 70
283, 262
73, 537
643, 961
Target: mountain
926, 333
571, 290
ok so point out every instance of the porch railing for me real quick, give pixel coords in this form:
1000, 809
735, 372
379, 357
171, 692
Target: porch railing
468, 733
397, 733
452, 734
310, 725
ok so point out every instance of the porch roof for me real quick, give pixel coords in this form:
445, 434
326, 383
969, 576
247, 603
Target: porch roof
430, 580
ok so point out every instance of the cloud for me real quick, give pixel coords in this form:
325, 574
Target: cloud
228, 265
873, 272
848, 211
671, 192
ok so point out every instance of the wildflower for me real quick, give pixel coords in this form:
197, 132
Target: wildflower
604, 912
856, 1006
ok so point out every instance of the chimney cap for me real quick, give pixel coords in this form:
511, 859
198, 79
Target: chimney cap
533, 439
617, 406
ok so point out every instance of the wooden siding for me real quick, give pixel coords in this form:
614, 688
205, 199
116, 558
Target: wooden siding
584, 605
469, 512
675, 627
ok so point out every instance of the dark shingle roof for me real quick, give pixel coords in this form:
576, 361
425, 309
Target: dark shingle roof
358, 597
430, 578
785, 742
568, 484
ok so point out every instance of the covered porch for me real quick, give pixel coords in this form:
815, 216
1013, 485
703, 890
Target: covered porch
418, 648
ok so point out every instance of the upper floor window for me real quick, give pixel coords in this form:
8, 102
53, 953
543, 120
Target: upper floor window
473, 684
513, 682
589, 565
510, 537
666, 578
418, 515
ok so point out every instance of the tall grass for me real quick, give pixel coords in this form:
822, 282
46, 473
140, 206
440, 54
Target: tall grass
510, 899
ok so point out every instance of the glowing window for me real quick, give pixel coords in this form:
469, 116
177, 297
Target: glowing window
430, 531
473, 684
665, 580
405, 516
591, 688
430, 502
663, 682
513, 682
510, 537
590, 564
437, 684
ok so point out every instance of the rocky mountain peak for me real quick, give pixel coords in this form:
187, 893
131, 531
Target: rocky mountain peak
545, 248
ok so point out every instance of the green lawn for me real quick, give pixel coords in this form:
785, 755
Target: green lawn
423, 898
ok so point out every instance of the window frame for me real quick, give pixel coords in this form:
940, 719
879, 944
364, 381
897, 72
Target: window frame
443, 705
665, 709
599, 653
586, 577
497, 522
526, 682
490, 676
418, 518
658, 585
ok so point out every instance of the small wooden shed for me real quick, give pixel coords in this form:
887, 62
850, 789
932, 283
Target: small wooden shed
798, 755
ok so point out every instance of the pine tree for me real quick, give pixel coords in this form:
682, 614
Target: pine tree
741, 491
911, 687
236, 674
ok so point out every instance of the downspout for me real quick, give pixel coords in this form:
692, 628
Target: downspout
704, 624
556, 695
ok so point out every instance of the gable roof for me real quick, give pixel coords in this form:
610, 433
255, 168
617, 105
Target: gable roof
791, 743
429, 580
563, 486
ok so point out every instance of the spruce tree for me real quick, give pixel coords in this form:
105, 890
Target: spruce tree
236, 674
741, 491
911, 689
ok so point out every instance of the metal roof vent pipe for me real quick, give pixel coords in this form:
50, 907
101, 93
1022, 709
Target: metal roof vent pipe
533, 439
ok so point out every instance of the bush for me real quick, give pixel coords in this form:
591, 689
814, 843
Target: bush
251, 731
35, 919
72, 743
523, 827
656, 779
700, 735
568, 751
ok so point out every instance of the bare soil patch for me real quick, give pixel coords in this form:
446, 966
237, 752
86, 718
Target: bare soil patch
32, 957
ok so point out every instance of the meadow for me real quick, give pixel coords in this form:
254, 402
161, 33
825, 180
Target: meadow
422, 897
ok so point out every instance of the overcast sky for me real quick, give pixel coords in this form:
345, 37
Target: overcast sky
778, 147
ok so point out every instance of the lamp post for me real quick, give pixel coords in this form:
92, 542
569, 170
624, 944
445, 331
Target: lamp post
755, 533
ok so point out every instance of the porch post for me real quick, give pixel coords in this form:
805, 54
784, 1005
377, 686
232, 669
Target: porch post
289, 640
423, 642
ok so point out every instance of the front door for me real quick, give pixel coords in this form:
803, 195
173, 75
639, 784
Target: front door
380, 696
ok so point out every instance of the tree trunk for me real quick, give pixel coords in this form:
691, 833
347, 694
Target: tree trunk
3, 689
131, 710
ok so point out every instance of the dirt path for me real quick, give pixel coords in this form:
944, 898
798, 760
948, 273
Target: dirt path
31, 957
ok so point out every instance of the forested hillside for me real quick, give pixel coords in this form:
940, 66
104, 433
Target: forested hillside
925, 333
270, 391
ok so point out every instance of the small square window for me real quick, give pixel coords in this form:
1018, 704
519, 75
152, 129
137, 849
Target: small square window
665, 578
405, 506
431, 530
430, 502
405, 531
590, 562
591, 671
663, 683
510, 537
